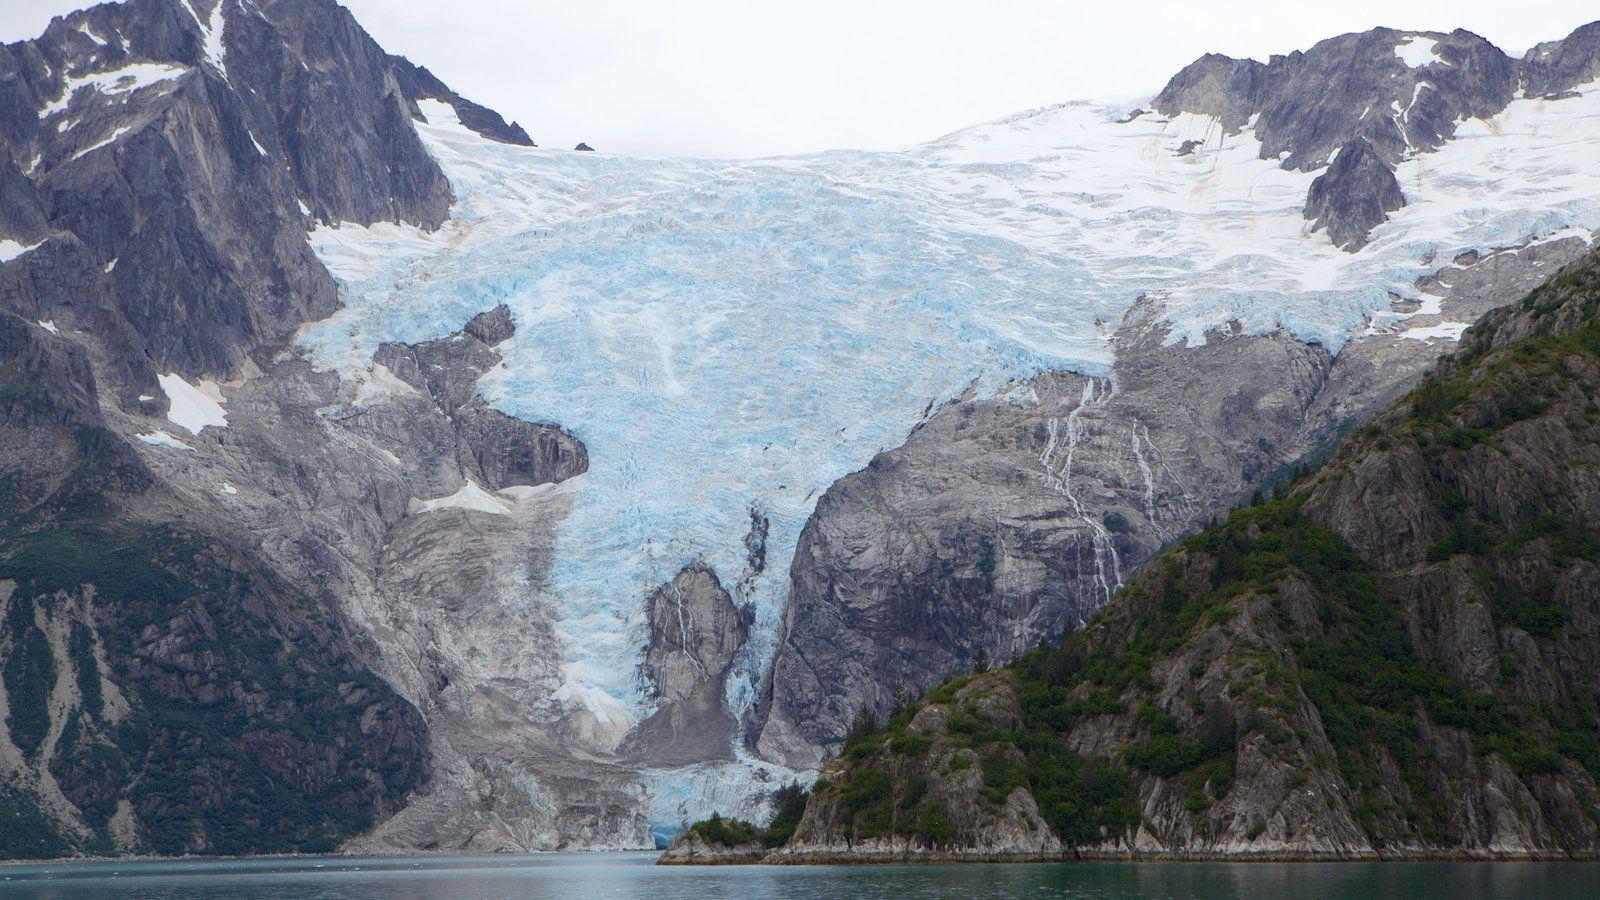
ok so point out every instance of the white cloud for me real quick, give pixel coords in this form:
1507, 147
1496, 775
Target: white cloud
720, 77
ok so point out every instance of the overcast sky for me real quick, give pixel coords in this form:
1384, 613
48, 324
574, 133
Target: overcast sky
726, 78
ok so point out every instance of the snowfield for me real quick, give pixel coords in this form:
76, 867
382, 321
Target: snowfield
735, 335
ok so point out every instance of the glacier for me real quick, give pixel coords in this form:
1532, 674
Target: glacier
735, 335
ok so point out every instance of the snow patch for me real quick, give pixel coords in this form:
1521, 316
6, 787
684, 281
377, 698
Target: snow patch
126, 80
49, 325
443, 116
471, 496
159, 438
1449, 331
10, 250
108, 141
1418, 51
227, 488
111, 266
355, 252
211, 35
193, 407
86, 31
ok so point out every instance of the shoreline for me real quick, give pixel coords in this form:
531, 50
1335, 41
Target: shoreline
831, 859
839, 859
264, 857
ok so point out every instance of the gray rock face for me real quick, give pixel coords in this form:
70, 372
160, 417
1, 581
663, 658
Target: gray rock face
1356, 85
1284, 638
497, 450
1002, 522
419, 83
1355, 94
1354, 195
1222, 87
1552, 68
695, 632
159, 673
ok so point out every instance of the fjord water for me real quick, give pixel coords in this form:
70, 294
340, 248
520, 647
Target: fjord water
573, 876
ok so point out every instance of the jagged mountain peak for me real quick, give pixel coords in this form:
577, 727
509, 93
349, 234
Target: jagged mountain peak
130, 125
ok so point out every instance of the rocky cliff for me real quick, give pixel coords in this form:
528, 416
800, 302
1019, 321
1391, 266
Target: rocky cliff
1390, 658
179, 677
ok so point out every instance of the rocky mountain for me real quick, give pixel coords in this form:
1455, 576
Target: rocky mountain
1390, 658
170, 685
375, 479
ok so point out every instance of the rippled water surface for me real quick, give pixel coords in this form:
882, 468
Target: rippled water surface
574, 876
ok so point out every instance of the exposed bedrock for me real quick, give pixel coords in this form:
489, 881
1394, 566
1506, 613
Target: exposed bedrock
1354, 196
696, 630
497, 450
159, 674
1003, 521
1555, 67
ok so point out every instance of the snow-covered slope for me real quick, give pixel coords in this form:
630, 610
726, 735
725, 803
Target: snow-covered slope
735, 336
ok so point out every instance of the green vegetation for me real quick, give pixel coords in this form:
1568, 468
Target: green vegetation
1357, 666
788, 806
25, 831
30, 675
227, 717
85, 669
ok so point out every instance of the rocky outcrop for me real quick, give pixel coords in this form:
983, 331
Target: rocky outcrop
1003, 521
1390, 659
1354, 196
1553, 68
693, 849
952, 806
495, 450
695, 632
421, 84
1227, 89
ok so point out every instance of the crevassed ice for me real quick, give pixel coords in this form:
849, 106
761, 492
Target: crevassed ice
734, 334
